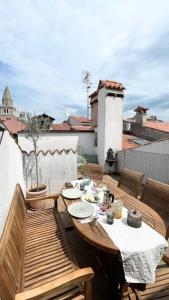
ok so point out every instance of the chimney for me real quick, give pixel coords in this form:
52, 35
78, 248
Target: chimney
109, 117
141, 115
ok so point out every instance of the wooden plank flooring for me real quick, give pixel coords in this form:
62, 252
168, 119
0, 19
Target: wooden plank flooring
86, 256
104, 265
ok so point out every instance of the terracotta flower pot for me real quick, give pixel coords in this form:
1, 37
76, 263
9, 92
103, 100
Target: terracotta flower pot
33, 193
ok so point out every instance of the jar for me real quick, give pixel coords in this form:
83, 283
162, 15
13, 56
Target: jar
134, 218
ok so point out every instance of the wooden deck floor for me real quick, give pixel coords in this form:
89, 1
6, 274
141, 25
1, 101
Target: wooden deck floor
107, 268
103, 285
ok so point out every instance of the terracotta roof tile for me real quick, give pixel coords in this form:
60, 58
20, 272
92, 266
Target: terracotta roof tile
108, 84
111, 84
161, 126
12, 124
66, 127
60, 127
127, 142
80, 119
93, 94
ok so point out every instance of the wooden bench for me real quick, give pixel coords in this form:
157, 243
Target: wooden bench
35, 260
130, 181
156, 195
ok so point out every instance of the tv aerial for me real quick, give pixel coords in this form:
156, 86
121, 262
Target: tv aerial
86, 79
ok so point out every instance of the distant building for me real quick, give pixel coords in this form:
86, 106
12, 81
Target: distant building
145, 127
78, 121
7, 108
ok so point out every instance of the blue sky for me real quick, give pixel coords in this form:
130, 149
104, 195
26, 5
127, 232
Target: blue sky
46, 44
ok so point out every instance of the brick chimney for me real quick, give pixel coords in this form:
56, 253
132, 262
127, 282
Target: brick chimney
141, 115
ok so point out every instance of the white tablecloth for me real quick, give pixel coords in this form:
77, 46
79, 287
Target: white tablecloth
141, 248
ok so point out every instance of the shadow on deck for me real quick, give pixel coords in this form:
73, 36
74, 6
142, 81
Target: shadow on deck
107, 268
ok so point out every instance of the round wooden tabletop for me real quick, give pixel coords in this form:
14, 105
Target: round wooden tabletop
96, 235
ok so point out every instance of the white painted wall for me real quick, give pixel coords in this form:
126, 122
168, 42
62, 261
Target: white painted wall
101, 127
54, 168
110, 124
152, 160
87, 142
62, 140
11, 172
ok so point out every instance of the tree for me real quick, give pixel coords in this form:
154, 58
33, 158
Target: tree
35, 127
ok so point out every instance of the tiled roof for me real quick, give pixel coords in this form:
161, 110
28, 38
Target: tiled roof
12, 124
60, 127
108, 84
162, 126
127, 142
66, 127
93, 94
81, 119
111, 84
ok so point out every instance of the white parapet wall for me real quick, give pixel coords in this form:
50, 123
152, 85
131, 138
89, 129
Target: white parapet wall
11, 173
57, 160
57, 164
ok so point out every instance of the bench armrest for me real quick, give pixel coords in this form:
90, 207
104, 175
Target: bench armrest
53, 196
78, 276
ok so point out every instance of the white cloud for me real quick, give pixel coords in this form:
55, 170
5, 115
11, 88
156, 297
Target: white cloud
48, 43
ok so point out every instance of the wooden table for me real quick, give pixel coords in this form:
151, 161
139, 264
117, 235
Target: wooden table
96, 235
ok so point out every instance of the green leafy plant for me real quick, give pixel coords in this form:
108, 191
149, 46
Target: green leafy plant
35, 127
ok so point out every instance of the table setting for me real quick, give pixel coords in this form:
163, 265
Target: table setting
141, 247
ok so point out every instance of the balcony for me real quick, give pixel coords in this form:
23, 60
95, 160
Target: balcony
61, 166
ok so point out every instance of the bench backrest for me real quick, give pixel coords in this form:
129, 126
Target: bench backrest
156, 195
130, 181
12, 247
95, 171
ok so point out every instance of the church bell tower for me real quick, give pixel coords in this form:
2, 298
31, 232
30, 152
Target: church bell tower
7, 108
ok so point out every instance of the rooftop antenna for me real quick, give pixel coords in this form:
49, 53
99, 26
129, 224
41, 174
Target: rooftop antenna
67, 113
87, 81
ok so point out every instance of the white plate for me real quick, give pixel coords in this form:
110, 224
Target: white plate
80, 210
72, 193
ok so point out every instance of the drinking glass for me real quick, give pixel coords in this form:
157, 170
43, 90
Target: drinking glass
87, 180
110, 216
118, 207
82, 186
76, 186
103, 208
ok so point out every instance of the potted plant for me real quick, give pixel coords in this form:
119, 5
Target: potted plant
35, 127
